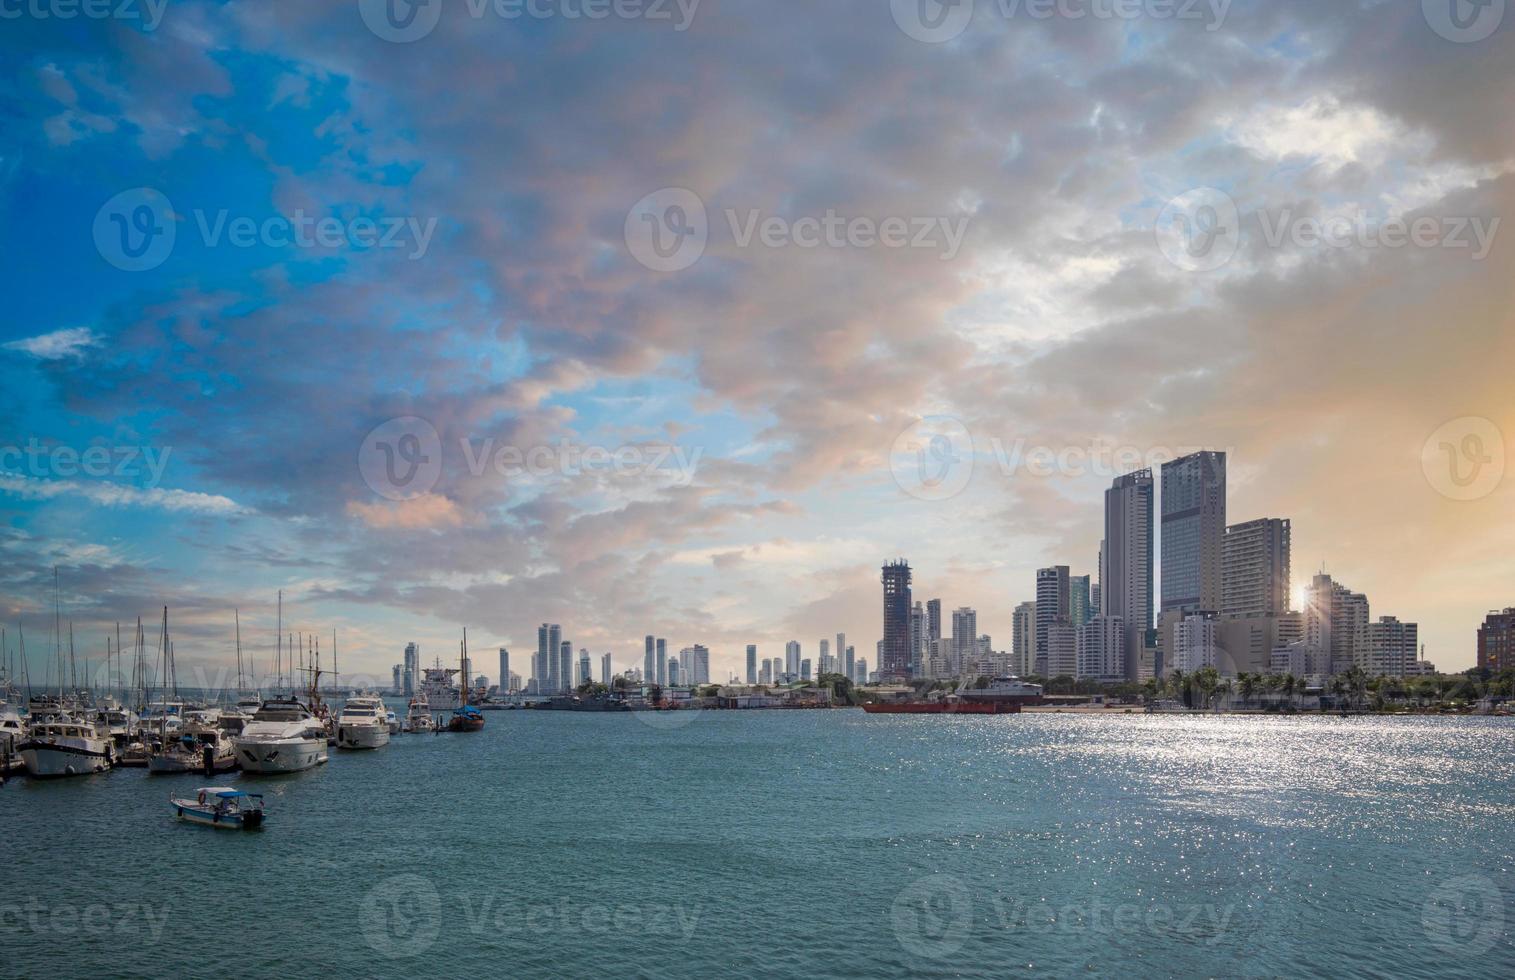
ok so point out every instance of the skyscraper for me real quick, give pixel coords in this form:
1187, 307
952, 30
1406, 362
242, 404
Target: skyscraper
964, 639
895, 662
649, 665
1023, 639
1062, 649
504, 671
1255, 569
556, 676
752, 667
412, 669
1052, 607
841, 650
605, 670
662, 675
585, 673
792, 659
1390, 648
1193, 532
849, 663
565, 666
824, 661
539, 663
1080, 604
1125, 575
933, 620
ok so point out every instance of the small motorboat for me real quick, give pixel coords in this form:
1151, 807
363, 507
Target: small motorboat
394, 722
221, 806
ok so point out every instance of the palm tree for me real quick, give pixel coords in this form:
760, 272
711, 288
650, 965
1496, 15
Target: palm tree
1247, 683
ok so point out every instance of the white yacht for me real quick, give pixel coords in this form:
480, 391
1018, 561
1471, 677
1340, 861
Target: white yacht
418, 715
362, 723
63, 745
282, 737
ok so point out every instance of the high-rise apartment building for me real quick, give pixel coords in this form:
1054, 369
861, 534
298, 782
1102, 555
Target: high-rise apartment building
1125, 575
752, 664
933, 620
1052, 606
895, 651
1389, 648
412, 669
1193, 532
565, 666
504, 671
649, 661
1023, 639
1335, 620
662, 662
964, 639
1102, 650
1496, 641
1195, 643
792, 658
1062, 649
605, 675
1255, 569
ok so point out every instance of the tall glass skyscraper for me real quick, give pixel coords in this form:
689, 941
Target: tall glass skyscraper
894, 652
1193, 532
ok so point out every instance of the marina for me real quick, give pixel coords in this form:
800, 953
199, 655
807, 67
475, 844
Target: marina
555, 827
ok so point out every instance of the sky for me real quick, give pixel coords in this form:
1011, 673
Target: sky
683, 318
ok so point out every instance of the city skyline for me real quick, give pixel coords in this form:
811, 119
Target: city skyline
582, 427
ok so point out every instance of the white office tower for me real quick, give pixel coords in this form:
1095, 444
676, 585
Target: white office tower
1102, 650
792, 659
1195, 643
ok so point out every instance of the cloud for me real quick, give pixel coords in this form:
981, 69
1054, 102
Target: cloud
60, 345
116, 495
425, 512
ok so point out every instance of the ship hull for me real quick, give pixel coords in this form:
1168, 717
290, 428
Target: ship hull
285, 756
53, 760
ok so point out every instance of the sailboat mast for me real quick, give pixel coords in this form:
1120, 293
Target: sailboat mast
237, 618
